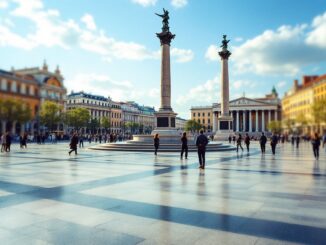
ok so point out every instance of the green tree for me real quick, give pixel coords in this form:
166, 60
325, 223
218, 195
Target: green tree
275, 126
193, 125
105, 123
51, 114
12, 110
77, 118
94, 125
132, 126
289, 124
301, 121
319, 111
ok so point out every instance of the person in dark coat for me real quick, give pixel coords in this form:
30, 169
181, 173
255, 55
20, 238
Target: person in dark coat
274, 141
201, 143
8, 142
23, 141
230, 139
184, 145
262, 142
297, 141
73, 143
315, 141
247, 142
239, 143
156, 143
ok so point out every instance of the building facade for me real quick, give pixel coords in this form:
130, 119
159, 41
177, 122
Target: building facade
31, 86
297, 103
204, 116
249, 115
180, 123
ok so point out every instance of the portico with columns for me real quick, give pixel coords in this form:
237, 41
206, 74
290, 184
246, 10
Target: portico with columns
249, 115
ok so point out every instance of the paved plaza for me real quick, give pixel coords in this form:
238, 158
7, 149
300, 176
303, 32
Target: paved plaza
103, 197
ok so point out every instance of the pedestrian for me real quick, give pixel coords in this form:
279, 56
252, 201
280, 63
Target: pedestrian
8, 142
73, 143
233, 139
247, 141
3, 142
297, 141
81, 141
273, 143
156, 143
239, 143
315, 141
262, 142
230, 139
324, 140
184, 145
23, 141
292, 139
201, 143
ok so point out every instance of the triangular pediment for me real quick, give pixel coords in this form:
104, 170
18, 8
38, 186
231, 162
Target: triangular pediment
243, 101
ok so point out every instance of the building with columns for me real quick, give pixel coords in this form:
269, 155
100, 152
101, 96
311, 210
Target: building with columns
249, 115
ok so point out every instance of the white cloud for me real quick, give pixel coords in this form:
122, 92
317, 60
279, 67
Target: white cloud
238, 39
179, 3
281, 84
242, 84
145, 3
182, 55
89, 22
212, 53
283, 51
318, 35
204, 93
51, 30
3, 4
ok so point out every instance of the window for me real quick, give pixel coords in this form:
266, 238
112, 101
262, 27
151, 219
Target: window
203, 114
209, 121
209, 114
4, 85
23, 88
31, 91
203, 121
198, 114
194, 114
13, 86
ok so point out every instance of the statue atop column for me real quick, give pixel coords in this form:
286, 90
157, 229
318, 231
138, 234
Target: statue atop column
225, 53
165, 20
165, 36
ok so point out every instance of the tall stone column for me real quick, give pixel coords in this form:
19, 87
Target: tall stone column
263, 120
165, 117
237, 118
256, 129
243, 121
250, 121
214, 122
225, 121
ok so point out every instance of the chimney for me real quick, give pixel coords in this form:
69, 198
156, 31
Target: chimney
295, 84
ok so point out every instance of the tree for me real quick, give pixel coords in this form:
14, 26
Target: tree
77, 118
301, 121
105, 123
12, 110
132, 126
319, 111
275, 126
94, 124
193, 125
50, 114
289, 124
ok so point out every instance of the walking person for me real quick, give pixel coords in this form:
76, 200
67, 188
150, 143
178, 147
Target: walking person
239, 143
315, 141
3, 142
324, 140
184, 145
297, 141
73, 143
230, 139
274, 141
201, 143
23, 141
247, 141
156, 143
262, 142
8, 142
81, 141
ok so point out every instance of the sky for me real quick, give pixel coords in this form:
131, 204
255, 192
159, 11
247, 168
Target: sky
110, 48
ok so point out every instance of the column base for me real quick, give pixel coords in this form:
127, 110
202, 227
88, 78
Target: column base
224, 128
165, 120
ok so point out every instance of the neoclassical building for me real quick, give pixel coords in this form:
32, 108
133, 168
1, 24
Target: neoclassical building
249, 115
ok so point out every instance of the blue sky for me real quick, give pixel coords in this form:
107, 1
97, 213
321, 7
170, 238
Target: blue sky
110, 47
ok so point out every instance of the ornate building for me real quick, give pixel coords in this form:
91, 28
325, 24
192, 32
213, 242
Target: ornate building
297, 102
249, 115
31, 86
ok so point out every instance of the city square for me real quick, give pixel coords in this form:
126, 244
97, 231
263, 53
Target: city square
48, 197
163, 122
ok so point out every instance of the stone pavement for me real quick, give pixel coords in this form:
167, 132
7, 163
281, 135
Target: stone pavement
48, 197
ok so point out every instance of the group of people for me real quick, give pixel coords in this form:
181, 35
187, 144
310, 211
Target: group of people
5, 142
201, 143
